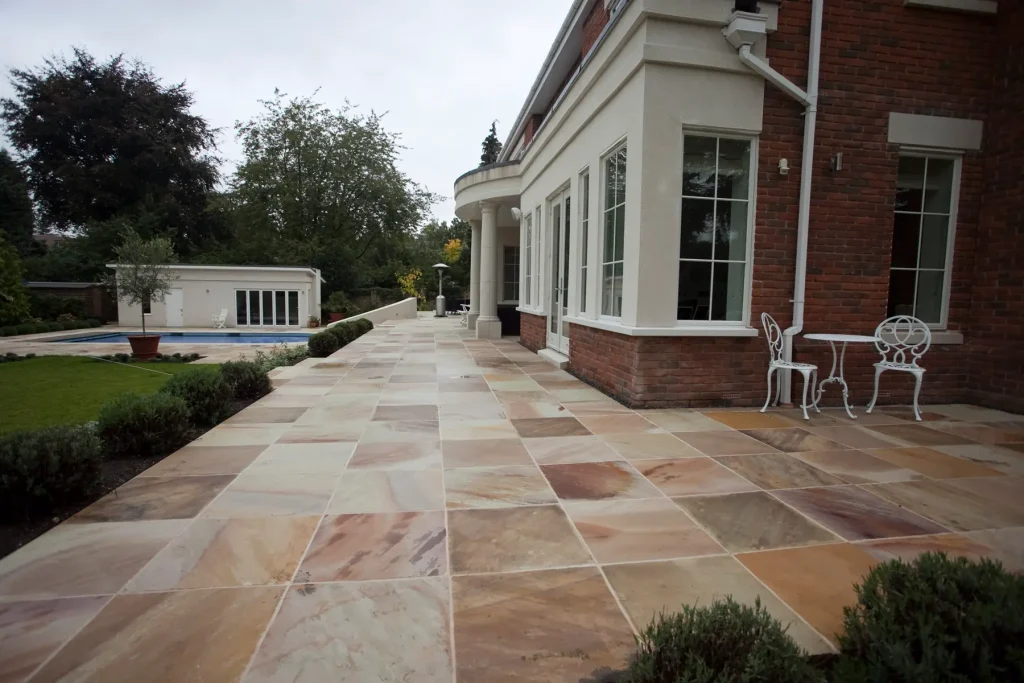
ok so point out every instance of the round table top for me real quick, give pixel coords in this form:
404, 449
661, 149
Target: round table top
853, 338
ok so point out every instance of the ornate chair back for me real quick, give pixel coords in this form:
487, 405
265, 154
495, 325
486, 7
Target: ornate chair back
774, 335
902, 340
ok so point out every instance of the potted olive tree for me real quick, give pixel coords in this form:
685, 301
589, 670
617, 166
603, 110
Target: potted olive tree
142, 276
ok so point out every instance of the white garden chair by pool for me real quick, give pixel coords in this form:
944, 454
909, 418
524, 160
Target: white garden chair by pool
810, 372
902, 340
220, 320
464, 314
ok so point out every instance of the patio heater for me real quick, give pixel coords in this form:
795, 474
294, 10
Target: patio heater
439, 310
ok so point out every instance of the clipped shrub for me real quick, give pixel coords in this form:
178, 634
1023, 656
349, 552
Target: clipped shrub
81, 324
363, 325
345, 333
135, 426
8, 331
25, 328
69, 325
247, 381
41, 328
204, 391
936, 618
54, 327
323, 344
46, 468
724, 643
93, 322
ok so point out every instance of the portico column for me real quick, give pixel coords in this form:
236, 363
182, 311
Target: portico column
474, 274
487, 325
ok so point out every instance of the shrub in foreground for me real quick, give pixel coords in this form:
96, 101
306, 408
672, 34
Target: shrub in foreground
724, 643
363, 325
322, 344
204, 391
134, 426
345, 332
935, 619
247, 380
46, 468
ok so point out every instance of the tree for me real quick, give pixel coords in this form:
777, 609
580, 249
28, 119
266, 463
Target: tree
320, 187
491, 146
142, 275
13, 297
452, 250
16, 219
102, 140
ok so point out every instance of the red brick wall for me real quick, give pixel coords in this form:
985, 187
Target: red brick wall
532, 331
996, 340
592, 27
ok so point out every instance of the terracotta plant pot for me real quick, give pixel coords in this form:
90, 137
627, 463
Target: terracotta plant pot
144, 347
335, 317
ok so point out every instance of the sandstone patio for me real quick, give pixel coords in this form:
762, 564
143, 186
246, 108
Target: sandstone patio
424, 506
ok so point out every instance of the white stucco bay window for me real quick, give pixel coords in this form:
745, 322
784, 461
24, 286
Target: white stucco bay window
716, 230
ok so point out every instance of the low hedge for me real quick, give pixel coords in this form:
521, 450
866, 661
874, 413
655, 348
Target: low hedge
143, 426
247, 380
364, 324
323, 344
345, 332
52, 326
10, 357
46, 468
204, 392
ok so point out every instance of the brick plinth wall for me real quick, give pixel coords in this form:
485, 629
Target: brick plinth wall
532, 331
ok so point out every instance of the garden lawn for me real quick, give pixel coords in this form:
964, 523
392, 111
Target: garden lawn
52, 390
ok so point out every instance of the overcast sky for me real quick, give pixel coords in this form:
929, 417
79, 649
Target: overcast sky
442, 69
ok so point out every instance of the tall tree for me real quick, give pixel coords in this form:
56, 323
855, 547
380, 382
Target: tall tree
491, 146
321, 187
107, 139
13, 296
16, 219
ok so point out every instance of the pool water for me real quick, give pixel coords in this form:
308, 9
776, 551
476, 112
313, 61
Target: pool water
201, 338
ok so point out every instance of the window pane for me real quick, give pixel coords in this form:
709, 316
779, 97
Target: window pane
279, 309
268, 307
694, 295
583, 289
609, 236
585, 183
617, 295
909, 184
254, 307
939, 186
241, 317
733, 169
727, 298
901, 292
906, 228
611, 181
585, 243
620, 232
607, 282
929, 296
699, 166
293, 308
620, 177
696, 230
731, 231
933, 241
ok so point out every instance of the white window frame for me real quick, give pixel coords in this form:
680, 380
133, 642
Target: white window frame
515, 282
584, 241
526, 292
748, 271
537, 296
954, 206
603, 210
273, 307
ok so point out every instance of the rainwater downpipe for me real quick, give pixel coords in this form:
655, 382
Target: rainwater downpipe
810, 101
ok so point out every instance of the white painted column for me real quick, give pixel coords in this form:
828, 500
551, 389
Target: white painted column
487, 325
474, 274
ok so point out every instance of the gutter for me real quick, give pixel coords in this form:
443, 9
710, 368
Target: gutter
741, 32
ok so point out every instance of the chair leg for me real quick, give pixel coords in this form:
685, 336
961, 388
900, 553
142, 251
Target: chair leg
878, 373
814, 389
769, 398
918, 376
807, 381
778, 386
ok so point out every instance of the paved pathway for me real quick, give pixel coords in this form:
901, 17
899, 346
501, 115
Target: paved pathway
424, 507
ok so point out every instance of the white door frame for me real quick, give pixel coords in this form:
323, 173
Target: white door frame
174, 308
558, 241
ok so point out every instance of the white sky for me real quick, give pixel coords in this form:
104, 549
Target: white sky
442, 69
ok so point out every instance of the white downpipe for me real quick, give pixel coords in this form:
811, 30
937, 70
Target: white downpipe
810, 101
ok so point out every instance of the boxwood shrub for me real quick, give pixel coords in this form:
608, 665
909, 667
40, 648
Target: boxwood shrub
364, 325
345, 332
25, 328
725, 642
205, 393
247, 380
323, 344
935, 619
46, 468
134, 426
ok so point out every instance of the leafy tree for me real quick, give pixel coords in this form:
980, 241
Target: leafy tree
16, 219
102, 140
142, 276
491, 146
321, 187
452, 250
13, 297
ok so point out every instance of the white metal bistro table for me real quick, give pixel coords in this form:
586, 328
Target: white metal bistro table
837, 361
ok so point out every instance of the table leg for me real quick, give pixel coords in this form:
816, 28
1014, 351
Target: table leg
838, 362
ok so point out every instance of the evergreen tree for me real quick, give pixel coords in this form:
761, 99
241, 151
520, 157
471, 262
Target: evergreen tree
16, 219
491, 147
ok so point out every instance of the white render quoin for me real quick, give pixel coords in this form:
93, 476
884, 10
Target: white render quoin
254, 296
599, 147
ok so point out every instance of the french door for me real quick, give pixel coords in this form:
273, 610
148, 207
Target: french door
266, 307
558, 248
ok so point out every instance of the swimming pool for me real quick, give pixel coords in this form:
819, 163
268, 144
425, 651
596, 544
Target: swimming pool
201, 338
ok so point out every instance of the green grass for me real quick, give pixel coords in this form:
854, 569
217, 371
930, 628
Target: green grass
54, 390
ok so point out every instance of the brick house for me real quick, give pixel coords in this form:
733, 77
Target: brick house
655, 177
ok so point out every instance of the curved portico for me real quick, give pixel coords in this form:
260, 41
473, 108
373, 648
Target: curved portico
485, 198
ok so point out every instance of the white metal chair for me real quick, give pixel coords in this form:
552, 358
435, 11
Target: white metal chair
220, 320
809, 371
902, 340
464, 314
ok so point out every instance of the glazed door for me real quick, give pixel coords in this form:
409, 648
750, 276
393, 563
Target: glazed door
558, 247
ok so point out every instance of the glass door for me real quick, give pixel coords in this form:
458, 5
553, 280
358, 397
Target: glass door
558, 248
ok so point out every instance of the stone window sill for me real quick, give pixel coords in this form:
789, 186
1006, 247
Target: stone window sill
702, 331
